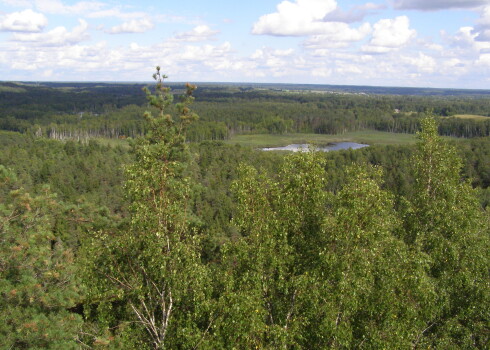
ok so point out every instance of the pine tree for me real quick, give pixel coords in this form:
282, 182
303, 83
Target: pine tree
151, 269
37, 272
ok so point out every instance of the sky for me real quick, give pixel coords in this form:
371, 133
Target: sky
413, 43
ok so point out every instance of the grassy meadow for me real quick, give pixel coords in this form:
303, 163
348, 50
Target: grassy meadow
369, 137
471, 116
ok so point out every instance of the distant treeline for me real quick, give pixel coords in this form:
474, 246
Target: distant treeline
83, 111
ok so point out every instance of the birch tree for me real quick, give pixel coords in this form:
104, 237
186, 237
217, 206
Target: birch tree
152, 267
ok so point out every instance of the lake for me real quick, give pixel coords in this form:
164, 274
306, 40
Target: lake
304, 147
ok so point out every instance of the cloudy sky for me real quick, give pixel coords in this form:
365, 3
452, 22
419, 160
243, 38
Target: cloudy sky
425, 43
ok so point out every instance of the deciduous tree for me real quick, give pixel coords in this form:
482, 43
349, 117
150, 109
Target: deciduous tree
151, 270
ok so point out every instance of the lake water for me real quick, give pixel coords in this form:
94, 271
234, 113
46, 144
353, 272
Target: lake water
304, 147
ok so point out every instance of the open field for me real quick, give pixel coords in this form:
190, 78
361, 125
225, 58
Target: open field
368, 137
471, 116
4, 88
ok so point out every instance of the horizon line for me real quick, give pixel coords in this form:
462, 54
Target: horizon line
136, 82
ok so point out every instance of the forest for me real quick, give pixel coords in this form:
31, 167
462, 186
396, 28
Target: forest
132, 219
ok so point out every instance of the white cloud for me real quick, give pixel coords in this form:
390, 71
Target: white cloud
340, 36
302, 17
461, 59
195, 62
322, 72
201, 53
24, 21
17, 3
225, 64
484, 60
116, 13
453, 67
376, 49
431, 5
465, 41
59, 36
57, 7
464, 38
270, 63
344, 68
485, 17
430, 45
198, 33
266, 52
482, 28
422, 62
390, 34
272, 59
483, 35
355, 14
91, 9
133, 26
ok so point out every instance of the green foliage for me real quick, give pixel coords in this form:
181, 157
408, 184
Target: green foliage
77, 172
315, 270
296, 251
82, 111
150, 272
276, 125
445, 222
375, 288
37, 273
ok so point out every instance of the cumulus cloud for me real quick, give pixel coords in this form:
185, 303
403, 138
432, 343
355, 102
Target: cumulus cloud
57, 7
17, 3
133, 26
117, 13
390, 34
322, 72
270, 58
91, 9
275, 63
24, 21
482, 28
302, 17
485, 17
484, 60
464, 41
355, 14
432, 5
197, 53
340, 36
483, 34
344, 68
59, 36
190, 55
464, 38
198, 33
422, 62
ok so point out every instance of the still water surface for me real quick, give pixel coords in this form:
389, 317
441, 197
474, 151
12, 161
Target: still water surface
304, 147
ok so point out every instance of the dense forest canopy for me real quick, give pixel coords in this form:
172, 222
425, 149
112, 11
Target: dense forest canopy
130, 224
84, 110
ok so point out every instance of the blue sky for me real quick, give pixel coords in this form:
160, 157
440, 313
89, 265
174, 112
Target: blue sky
424, 43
